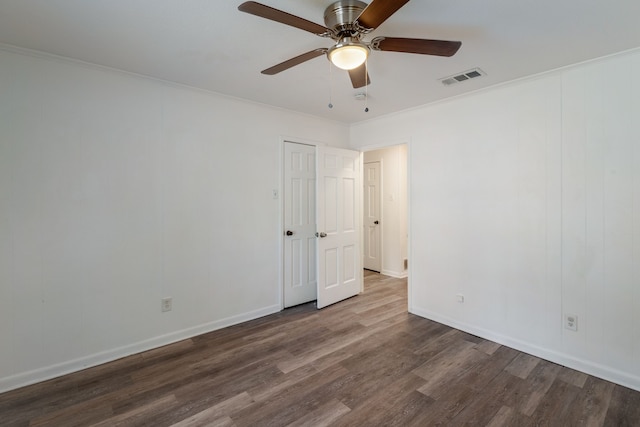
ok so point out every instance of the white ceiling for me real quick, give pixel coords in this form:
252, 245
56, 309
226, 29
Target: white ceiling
209, 44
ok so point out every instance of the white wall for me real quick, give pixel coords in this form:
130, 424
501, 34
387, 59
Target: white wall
393, 161
525, 198
116, 191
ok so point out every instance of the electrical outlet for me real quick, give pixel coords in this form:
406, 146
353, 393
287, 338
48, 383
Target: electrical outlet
571, 322
166, 304
460, 298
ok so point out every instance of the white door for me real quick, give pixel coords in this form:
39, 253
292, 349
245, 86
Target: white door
338, 219
371, 203
300, 283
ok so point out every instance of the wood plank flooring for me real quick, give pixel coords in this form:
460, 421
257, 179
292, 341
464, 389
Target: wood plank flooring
361, 362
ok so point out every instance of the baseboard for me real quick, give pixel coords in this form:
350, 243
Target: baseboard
588, 367
53, 371
395, 274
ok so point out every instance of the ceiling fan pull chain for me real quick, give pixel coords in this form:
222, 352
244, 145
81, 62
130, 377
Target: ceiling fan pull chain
330, 85
366, 86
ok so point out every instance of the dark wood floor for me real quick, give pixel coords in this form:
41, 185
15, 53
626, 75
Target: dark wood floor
362, 362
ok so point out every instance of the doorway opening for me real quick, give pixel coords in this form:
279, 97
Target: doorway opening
385, 210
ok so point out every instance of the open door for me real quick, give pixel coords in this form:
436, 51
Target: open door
339, 224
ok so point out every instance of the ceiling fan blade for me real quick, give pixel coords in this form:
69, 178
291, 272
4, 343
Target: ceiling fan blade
421, 46
359, 76
378, 11
263, 11
294, 61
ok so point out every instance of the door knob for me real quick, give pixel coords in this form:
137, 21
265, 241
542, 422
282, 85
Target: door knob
376, 222
321, 235
289, 233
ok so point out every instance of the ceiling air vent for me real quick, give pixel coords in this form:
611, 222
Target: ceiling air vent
467, 75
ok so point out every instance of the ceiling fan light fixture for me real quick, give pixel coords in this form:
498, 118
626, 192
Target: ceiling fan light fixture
348, 54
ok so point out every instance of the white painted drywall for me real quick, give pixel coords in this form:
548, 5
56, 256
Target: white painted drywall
117, 191
525, 198
393, 161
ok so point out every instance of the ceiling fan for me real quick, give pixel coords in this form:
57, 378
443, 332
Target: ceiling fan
347, 22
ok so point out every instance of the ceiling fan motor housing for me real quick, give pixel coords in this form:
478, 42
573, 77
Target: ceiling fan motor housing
340, 17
